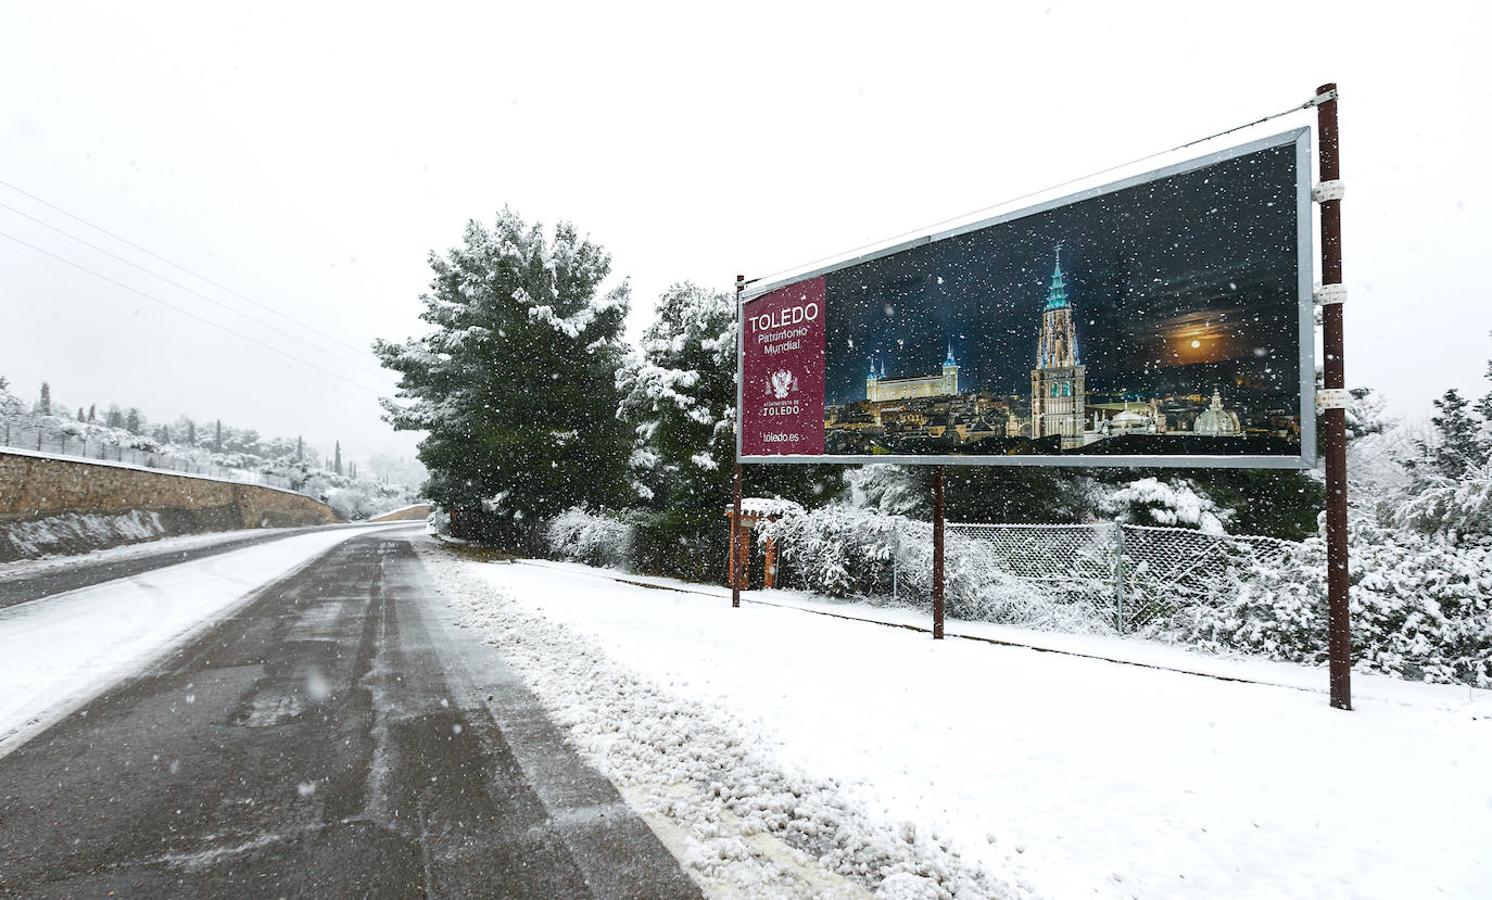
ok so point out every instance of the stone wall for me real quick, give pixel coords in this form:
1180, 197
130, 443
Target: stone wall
417, 512
89, 504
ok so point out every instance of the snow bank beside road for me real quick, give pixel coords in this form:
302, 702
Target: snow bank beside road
751, 826
30, 568
59, 652
1077, 776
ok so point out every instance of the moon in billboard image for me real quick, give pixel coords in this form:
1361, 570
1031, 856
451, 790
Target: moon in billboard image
1198, 338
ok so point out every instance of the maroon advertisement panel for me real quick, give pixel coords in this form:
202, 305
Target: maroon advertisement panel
782, 391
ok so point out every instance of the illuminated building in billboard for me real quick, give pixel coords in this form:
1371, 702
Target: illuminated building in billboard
879, 388
1215, 421
1057, 387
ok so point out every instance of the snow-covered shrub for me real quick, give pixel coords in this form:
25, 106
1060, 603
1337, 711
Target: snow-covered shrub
142, 443
1174, 503
845, 551
593, 538
438, 523
1445, 505
354, 503
1421, 606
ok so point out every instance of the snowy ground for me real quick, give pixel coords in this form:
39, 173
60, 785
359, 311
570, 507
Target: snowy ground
1148, 654
988, 769
58, 652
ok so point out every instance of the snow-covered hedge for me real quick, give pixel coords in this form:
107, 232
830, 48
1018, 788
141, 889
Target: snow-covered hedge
1174, 503
844, 551
593, 538
1421, 606
1421, 602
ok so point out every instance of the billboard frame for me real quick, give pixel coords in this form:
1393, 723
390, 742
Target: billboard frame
1305, 459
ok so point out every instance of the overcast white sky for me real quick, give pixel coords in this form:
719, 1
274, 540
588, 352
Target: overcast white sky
309, 155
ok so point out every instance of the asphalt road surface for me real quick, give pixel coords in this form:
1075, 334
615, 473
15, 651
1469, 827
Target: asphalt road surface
337, 737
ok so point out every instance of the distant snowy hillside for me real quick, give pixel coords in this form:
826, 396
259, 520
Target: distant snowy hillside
208, 448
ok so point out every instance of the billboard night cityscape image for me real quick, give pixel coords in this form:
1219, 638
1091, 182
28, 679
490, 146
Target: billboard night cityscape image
1159, 319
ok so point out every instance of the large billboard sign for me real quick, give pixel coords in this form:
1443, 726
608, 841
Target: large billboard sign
1163, 320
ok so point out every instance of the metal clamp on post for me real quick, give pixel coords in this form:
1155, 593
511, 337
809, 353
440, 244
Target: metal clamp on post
1328, 294
1333, 398
1321, 98
1327, 191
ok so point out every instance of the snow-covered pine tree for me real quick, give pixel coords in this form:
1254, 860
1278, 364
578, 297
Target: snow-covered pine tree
44, 403
889, 490
134, 420
678, 396
1366, 414
1458, 445
337, 464
515, 383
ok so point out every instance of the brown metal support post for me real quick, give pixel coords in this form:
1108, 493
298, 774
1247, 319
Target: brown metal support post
735, 519
1339, 624
937, 572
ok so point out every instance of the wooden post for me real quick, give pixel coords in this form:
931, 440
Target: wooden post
769, 556
730, 548
1339, 623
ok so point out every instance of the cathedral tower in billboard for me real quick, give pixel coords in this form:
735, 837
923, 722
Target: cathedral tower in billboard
1057, 381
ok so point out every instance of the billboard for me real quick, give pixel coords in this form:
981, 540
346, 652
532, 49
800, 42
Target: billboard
1163, 320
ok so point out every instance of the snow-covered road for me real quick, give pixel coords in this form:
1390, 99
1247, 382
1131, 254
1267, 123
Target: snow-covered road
1062, 775
57, 653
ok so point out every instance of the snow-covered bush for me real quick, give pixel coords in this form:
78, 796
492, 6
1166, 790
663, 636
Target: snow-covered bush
1174, 503
1421, 606
354, 503
1441, 505
593, 538
845, 551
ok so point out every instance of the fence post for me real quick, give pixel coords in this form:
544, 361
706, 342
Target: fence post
1119, 577
895, 564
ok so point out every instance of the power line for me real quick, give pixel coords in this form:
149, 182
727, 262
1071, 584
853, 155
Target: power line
176, 284
187, 312
1314, 101
175, 265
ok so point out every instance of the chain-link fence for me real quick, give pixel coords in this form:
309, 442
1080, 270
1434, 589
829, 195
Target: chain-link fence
1137, 576
84, 447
